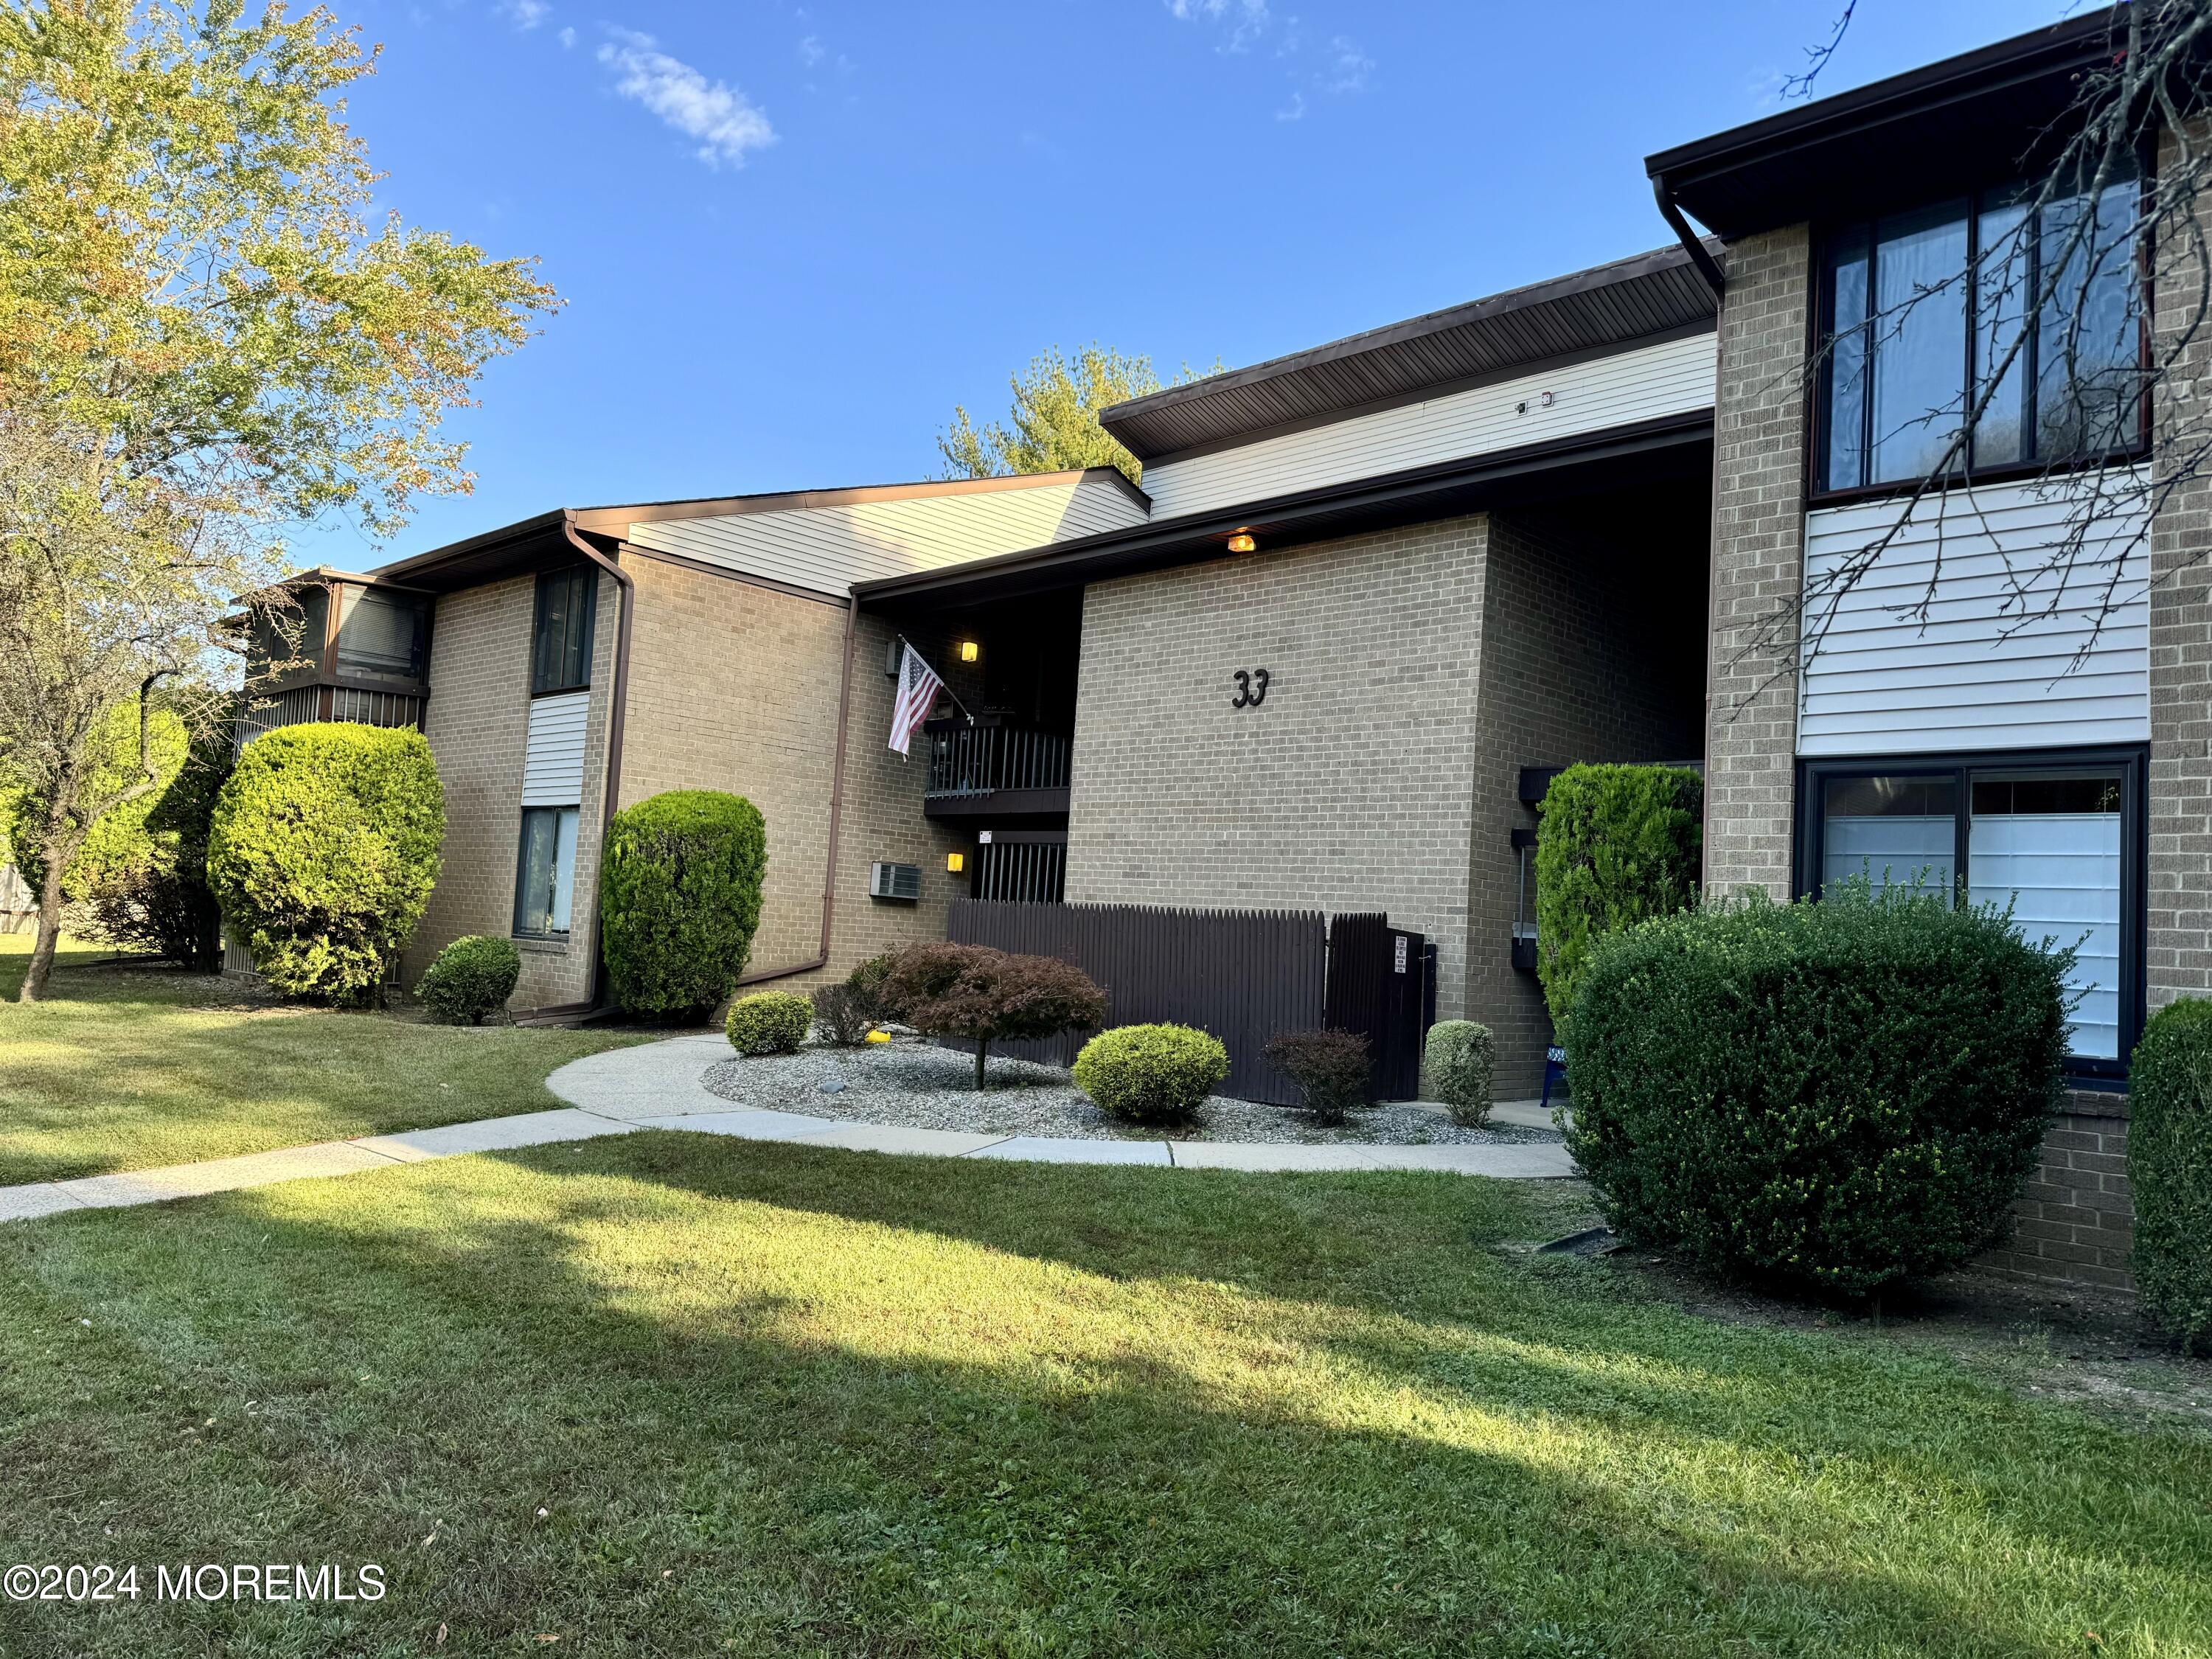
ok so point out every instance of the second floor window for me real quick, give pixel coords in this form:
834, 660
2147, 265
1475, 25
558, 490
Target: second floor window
1925, 311
561, 641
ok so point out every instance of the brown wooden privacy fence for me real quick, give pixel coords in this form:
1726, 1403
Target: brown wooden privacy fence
1242, 975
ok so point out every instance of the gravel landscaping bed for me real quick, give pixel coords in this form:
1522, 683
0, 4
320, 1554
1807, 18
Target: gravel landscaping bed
919, 1085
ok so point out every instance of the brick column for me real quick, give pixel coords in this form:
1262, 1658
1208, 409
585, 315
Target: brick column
1758, 530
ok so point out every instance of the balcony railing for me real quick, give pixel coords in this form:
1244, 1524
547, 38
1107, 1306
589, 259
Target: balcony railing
987, 758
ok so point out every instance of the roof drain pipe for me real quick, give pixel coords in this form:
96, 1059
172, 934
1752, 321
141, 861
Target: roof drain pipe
1700, 255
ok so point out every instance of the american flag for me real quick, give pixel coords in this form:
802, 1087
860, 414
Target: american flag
918, 686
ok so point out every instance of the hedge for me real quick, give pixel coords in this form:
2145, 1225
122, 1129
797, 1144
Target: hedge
768, 1023
1838, 1095
679, 899
472, 978
322, 851
1457, 1058
2170, 1168
1151, 1073
1616, 845
1333, 1070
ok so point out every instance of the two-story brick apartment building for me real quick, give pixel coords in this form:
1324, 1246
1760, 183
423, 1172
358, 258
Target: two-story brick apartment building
1371, 592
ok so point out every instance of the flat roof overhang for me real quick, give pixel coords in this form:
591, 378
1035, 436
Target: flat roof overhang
1944, 128
1669, 449
1606, 308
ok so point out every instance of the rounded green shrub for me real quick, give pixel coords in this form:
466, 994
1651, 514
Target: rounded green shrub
680, 897
472, 977
2170, 1168
1836, 1095
768, 1023
1457, 1058
1616, 845
1151, 1073
322, 851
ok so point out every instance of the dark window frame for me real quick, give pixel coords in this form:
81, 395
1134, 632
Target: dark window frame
1820, 320
522, 875
2131, 760
567, 665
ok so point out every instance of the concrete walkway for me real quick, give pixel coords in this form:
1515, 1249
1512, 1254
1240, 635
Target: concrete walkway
657, 1086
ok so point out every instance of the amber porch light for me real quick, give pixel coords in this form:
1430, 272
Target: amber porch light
970, 650
1242, 541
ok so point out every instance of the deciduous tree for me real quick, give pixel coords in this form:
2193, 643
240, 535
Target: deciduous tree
203, 339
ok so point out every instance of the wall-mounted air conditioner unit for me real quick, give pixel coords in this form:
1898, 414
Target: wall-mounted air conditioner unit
902, 882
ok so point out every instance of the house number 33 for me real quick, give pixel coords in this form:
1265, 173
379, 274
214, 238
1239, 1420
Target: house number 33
1251, 688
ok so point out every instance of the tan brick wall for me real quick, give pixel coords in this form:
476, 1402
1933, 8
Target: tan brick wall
478, 724
1348, 789
1582, 659
1759, 532
883, 815
734, 686
2076, 1220
2178, 938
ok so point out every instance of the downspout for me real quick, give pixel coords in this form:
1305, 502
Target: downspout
1700, 255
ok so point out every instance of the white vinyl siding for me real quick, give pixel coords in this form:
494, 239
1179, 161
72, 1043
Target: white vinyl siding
1997, 665
827, 549
2060, 872
553, 763
1672, 378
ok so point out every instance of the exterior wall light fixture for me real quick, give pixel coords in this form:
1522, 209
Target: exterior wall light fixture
970, 650
1243, 542
955, 863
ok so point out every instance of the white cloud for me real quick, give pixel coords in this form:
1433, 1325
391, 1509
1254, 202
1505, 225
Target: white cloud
1348, 68
721, 118
524, 13
568, 37
1243, 20
811, 51
1293, 111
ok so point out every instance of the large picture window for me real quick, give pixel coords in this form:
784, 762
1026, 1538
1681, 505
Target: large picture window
561, 639
2056, 839
1922, 311
545, 872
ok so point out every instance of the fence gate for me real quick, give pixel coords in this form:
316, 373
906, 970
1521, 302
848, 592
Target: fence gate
1381, 984
1242, 975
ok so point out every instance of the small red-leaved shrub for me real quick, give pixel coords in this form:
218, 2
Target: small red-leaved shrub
976, 994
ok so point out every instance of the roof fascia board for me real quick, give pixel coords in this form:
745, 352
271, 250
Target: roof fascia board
614, 520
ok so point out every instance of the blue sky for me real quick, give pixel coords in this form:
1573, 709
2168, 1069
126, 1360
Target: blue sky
793, 237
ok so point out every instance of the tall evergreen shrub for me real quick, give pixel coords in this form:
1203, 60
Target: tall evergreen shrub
680, 879
323, 849
2170, 1168
1616, 845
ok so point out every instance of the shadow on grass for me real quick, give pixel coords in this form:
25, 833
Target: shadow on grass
854, 1403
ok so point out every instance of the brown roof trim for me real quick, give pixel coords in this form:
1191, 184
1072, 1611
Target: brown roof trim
1441, 389
1960, 120
613, 520
1419, 495
1609, 307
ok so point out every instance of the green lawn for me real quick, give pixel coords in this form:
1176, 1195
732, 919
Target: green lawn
131, 1068
669, 1395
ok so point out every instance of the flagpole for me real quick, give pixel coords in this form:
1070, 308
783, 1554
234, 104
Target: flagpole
910, 645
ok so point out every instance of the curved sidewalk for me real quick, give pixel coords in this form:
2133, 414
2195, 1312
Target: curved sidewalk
657, 1086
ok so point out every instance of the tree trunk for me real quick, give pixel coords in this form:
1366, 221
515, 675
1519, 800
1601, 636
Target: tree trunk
50, 926
982, 1047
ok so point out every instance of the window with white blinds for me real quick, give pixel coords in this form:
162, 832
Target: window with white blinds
2053, 843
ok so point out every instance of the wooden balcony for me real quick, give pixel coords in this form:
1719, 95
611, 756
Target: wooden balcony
991, 769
